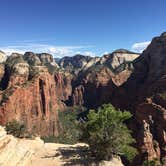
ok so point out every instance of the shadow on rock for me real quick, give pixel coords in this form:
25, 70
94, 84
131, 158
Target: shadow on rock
76, 156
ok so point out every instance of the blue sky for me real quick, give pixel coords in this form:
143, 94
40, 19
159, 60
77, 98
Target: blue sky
67, 27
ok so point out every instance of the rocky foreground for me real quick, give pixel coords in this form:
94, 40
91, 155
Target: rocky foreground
24, 152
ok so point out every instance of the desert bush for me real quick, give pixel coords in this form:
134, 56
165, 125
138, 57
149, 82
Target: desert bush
16, 128
106, 133
48, 139
69, 132
154, 162
51, 68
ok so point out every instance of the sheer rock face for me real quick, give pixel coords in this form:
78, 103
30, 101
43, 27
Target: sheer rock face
36, 104
96, 88
45, 58
98, 80
145, 94
32, 95
151, 136
118, 57
74, 64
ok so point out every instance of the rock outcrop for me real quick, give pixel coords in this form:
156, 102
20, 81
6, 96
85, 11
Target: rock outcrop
97, 82
13, 151
31, 94
118, 58
74, 64
31, 152
3, 57
148, 88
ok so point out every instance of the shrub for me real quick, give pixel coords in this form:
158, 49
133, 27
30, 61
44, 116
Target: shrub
49, 139
69, 132
51, 68
154, 162
106, 133
16, 128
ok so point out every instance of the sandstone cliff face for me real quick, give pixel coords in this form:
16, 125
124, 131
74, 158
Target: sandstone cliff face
117, 58
32, 95
96, 88
144, 94
98, 81
74, 64
35, 104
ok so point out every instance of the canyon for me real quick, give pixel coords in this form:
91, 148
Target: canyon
35, 87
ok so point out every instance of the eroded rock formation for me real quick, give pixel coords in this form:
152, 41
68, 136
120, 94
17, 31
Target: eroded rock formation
31, 94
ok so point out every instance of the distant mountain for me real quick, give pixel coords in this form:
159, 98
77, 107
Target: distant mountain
74, 64
80, 63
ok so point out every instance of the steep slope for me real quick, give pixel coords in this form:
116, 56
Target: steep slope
145, 91
98, 81
74, 64
33, 95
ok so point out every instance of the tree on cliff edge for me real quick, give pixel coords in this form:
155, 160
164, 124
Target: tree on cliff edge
106, 133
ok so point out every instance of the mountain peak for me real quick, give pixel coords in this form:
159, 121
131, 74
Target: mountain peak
163, 34
123, 51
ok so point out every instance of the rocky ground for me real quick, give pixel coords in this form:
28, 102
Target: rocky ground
26, 152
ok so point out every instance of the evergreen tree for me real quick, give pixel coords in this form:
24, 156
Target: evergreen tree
107, 134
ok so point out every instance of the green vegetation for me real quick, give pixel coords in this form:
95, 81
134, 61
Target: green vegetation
162, 95
51, 68
123, 66
103, 130
5, 95
48, 139
11, 61
154, 162
69, 132
33, 73
16, 128
106, 133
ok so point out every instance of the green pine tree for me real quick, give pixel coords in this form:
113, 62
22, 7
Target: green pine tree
107, 134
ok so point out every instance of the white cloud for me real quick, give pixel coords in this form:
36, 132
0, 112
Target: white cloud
56, 51
139, 47
105, 53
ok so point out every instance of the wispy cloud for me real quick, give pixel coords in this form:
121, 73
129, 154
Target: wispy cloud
56, 51
139, 47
